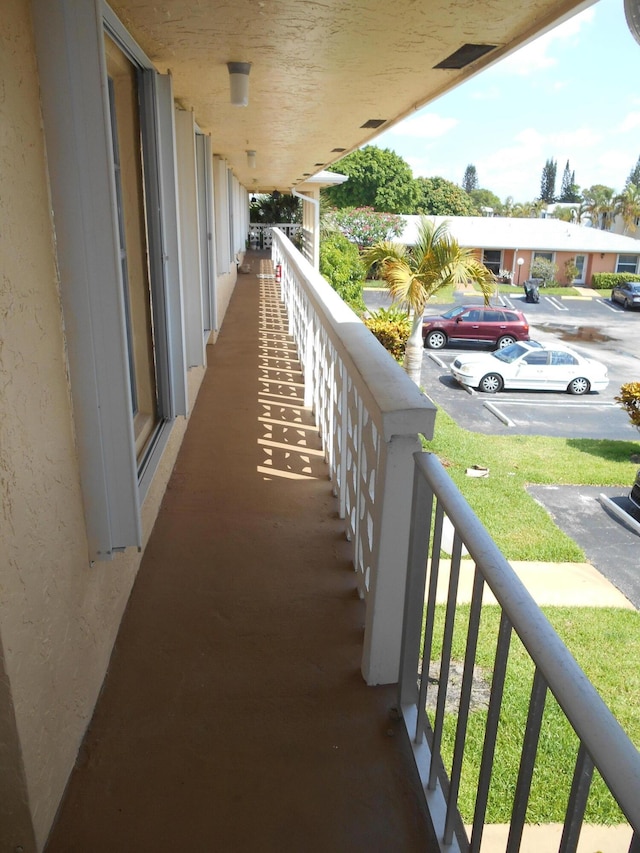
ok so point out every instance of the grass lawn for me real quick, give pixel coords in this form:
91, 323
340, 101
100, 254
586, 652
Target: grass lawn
520, 527
595, 636
443, 297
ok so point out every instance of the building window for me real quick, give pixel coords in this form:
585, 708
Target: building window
492, 259
113, 194
627, 264
134, 250
547, 256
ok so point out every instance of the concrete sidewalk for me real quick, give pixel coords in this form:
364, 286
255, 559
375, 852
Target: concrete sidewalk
550, 584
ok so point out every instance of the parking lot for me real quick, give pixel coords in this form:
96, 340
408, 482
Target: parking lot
593, 326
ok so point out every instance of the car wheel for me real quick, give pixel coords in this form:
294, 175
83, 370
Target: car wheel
505, 341
580, 385
435, 340
490, 383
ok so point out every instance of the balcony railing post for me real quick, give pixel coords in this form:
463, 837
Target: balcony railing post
385, 602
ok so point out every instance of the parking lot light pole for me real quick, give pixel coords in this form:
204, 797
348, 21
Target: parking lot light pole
520, 261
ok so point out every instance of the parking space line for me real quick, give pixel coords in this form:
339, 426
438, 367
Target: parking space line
556, 403
500, 415
608, 305
437, 360
556, 303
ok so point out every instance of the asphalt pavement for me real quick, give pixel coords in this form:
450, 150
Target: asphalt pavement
602, 521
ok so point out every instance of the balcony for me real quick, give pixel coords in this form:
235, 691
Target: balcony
252, 699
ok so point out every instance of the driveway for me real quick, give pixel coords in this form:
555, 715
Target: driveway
610, 544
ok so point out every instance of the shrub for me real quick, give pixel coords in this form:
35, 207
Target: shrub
340, 264
629, 398
571, 271
364, 226
391, 327
607, 280
544, 269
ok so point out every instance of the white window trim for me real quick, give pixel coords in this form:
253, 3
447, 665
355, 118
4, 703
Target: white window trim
624, 255
70, 52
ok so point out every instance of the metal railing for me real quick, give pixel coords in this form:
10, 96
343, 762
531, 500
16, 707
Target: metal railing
370, 416
601, 742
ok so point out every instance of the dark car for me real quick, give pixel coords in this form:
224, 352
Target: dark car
628, 293
634, 496
476, 324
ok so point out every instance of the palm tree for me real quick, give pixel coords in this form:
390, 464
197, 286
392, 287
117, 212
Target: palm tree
413, 275
627, 205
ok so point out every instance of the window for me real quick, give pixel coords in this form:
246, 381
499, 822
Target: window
536, 358
473, 316
492, 316
112, 173
547, 256
134, 250
492, 259
627, 264
559, 357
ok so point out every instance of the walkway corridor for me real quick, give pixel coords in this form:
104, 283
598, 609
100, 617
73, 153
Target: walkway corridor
234, 717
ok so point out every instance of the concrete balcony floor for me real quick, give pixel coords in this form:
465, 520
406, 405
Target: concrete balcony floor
234, 716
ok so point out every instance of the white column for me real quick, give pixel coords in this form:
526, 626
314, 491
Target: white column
385, 601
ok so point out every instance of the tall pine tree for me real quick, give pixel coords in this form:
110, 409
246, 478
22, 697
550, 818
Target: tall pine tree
634, 175
568, 189
548, 182
470, 180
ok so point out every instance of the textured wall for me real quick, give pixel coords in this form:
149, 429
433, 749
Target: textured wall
58, 617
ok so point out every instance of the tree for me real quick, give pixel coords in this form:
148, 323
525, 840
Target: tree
548, 181
275, 208
545, 269
634, 175
485, 199
600, 205
470, 180
414, 274
569, 191
627, 205
378, 178
439, 197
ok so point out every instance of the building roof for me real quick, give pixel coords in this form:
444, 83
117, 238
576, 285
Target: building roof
545, 235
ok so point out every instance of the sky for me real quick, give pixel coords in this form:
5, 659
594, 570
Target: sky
573, 94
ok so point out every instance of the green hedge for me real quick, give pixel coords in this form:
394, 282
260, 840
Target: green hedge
340, 264
607, 280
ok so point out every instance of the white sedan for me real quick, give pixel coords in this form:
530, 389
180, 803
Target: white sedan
530, 365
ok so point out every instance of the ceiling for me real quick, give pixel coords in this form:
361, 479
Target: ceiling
320, 70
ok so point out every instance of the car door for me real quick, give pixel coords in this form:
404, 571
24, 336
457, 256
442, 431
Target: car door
492, 325
563, 368
468, 325
530, 371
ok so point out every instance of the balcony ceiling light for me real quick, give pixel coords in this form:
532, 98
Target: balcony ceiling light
239, 82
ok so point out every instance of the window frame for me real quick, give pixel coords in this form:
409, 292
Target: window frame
490, 264
634, 271
71, 57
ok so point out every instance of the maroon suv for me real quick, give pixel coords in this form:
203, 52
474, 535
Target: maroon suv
475, 323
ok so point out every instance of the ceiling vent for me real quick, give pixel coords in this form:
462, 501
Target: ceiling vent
465, 55
337, 150
374, 122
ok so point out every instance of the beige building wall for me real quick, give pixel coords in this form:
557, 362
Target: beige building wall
58, 615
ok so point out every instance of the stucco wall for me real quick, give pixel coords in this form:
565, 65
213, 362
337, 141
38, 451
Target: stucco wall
58, 616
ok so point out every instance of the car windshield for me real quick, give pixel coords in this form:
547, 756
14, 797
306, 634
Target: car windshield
510, 353
633, 286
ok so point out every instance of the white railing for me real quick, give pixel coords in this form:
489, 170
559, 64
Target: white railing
600, 742
370, 416
261, 235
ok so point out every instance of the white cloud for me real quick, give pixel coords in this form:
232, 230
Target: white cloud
629, 122
534, 57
